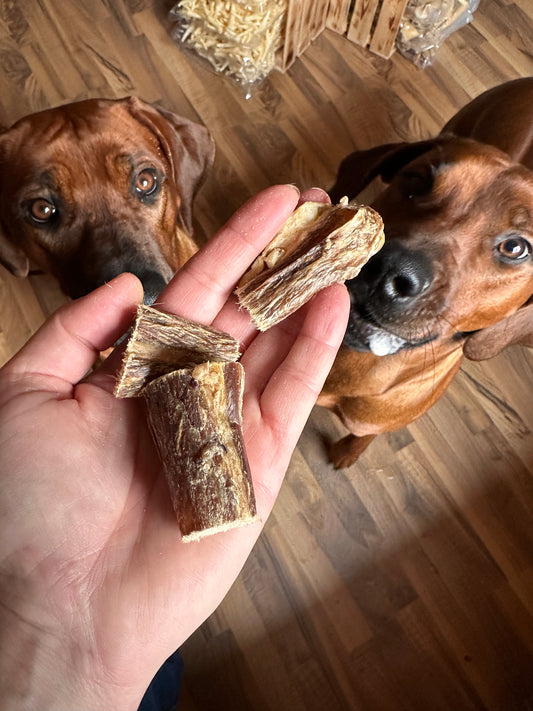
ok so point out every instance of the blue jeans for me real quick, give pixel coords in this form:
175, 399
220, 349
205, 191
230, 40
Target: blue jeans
164, 690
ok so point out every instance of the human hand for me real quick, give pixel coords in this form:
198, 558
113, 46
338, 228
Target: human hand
96, 587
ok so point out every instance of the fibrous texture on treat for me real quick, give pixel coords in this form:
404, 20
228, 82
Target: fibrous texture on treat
319, 245
162, 342
195, 416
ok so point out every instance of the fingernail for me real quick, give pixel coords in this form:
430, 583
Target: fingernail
295, 187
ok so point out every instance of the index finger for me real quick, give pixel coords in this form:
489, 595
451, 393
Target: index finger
202, 286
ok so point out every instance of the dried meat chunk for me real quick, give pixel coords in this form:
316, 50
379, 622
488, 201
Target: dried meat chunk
319, 245
162, 342
195, 416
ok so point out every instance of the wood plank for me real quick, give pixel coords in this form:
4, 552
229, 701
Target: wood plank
361, 21
387, 25
338, 14
320, 17
306, 25
290, 35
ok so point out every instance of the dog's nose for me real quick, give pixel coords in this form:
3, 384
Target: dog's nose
150, 276
405, 281
394, 274
153, 284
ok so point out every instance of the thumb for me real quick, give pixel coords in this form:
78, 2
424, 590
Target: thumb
66, 345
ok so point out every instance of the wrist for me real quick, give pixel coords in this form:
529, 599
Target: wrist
32, 670
40, 669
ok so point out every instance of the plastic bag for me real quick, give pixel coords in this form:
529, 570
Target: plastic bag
427, 23
239, 38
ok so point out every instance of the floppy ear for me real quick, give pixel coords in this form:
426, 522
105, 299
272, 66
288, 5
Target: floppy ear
187, 145
358, 169
516, 329
12, 257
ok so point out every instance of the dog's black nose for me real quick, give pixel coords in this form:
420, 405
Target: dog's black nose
405, 280
153, 284
394, 274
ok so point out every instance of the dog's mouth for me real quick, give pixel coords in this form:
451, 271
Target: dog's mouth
364, 334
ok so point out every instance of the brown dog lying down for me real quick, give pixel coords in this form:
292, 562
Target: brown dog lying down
98, 187
455, 276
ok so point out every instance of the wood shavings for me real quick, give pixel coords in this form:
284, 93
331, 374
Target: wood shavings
238, 39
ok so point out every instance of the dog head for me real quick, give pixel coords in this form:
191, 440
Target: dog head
457, 258
98, 187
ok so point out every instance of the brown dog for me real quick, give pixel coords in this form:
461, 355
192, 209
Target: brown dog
455, 276
98, 187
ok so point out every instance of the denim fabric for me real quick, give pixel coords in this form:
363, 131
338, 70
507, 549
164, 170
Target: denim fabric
164, 690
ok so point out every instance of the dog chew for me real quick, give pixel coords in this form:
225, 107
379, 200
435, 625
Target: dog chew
319, 245
195, 416
161, 342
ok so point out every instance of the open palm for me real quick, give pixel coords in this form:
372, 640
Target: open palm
93, 572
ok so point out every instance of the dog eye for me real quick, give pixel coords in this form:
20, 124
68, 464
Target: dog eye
41, 210
514, 249
415, 184
146, 182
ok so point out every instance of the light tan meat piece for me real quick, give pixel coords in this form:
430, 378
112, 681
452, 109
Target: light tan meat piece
319, 245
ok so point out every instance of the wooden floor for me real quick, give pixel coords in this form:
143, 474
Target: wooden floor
406, 582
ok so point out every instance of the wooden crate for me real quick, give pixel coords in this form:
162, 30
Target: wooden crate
370, 23
304, 21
